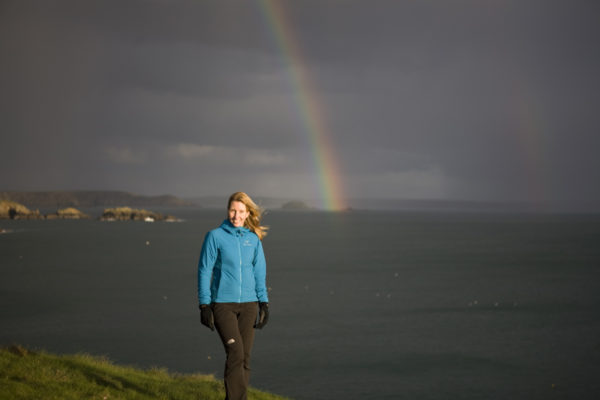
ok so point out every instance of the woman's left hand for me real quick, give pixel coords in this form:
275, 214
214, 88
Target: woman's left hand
263, 315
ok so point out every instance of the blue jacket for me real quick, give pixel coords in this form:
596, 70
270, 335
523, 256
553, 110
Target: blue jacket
232, 267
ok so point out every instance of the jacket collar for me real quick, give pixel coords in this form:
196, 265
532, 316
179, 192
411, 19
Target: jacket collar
228, 227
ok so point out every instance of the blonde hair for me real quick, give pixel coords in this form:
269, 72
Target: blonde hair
254, 213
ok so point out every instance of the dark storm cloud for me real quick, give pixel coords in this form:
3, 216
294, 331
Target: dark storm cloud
491, 100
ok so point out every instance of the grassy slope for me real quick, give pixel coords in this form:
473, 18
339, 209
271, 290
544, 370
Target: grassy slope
40, 375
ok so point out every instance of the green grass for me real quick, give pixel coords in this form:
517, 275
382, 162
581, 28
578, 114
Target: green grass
26, 374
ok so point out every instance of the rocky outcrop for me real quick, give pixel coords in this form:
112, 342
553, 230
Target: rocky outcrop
68, 213
14, 210
132, 214
91, 198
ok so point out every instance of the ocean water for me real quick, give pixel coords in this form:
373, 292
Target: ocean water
364, 305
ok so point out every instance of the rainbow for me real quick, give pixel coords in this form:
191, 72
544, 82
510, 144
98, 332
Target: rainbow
529, 134
309, 106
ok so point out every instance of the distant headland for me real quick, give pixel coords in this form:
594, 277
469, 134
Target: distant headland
296, 205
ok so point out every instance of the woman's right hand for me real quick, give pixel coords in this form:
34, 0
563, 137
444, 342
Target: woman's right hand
206, 316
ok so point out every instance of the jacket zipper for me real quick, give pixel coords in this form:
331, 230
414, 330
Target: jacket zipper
240, 253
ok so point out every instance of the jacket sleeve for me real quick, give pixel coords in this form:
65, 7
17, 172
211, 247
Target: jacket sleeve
260, 273
208, 257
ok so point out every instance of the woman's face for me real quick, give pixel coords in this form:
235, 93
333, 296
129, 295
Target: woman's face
237, 213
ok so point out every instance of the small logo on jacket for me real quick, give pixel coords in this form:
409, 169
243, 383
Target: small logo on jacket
247, 243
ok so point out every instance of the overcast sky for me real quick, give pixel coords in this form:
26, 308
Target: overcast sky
476, 100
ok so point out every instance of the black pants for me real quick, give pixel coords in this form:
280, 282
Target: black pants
235, 324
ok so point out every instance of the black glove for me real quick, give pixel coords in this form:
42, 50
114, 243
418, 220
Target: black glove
263, 315
206, 316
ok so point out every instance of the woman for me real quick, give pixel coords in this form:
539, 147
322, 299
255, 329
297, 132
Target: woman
232, 287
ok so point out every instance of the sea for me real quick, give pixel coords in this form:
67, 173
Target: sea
364, 304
